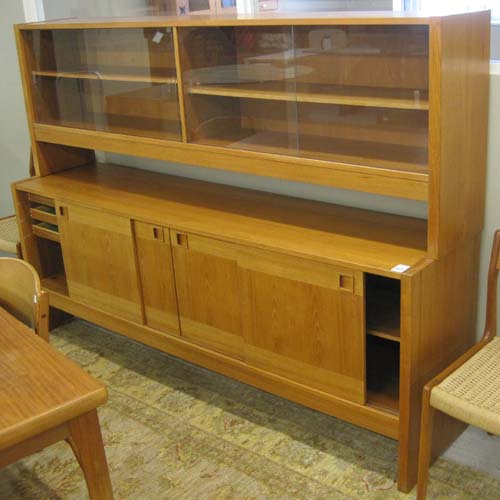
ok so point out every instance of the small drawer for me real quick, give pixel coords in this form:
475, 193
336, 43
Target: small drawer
41, 200
44, 213
47, 231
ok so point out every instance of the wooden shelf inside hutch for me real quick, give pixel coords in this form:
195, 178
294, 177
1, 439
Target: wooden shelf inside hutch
113, 77
318, 93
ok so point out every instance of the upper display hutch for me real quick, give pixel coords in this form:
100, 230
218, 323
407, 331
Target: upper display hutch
383, 104
345, 310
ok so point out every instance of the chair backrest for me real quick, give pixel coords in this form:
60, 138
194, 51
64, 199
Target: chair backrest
490, 329
21, 294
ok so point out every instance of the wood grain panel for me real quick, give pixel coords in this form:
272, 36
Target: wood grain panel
99, 260
438, 324
301, 320
386, 181
310, 333
39, 386
268, 19
350, 237
27, 239
279, 265
154, 259
459, 89
208, 292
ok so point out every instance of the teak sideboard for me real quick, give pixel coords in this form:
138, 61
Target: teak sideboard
344, 310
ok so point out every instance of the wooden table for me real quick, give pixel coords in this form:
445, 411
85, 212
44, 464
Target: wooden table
45, 398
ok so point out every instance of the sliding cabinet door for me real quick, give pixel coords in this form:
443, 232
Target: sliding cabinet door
99, 260
304, 320
154, 256
209, 293
293, 317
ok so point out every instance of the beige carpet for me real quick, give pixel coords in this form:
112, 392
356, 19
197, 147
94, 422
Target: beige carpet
176, 431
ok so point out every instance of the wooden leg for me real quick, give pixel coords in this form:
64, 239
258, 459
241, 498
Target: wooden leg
86, 440
424, 457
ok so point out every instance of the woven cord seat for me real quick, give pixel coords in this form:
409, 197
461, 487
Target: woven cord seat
9, 235
472, 393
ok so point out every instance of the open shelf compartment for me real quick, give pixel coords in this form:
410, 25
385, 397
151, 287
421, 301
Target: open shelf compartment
383, 307
383, 328
382, 373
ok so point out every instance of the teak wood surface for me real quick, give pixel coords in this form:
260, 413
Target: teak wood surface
40, 387
266, 19
330, 233
46, 398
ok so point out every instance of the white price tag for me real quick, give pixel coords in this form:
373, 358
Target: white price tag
400, 268
158, 37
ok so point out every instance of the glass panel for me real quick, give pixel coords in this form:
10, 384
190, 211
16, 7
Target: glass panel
141, 109
363, 94
363, 135
197, 5
247, 124
116, 80
68, 102
240, 85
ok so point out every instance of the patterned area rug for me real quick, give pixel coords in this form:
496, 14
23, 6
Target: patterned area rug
176, 431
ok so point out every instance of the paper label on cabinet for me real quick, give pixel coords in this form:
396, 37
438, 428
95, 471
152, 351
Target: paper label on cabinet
400, 268
157, 38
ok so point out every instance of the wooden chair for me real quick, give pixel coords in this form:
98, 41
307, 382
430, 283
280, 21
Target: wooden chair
9, 236
469, 389
21, 295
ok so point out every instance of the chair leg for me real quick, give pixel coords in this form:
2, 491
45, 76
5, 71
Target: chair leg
86, 441
424, 457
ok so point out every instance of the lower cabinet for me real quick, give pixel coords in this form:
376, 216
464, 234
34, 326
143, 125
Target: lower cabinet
99, 260
299, 319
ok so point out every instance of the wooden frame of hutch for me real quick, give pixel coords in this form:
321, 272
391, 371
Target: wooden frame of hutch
300, 298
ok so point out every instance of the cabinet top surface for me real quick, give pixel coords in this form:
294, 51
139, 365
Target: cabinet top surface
323, 18
371, 241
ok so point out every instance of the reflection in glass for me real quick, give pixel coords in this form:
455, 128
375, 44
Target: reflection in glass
116, 80
349, 94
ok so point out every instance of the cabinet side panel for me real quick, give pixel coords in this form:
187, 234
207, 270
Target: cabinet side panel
54, 158
439, 306
459, 87
26, 236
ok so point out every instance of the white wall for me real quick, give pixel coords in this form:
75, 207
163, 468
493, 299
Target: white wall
14, 140
94, 8
324, 5
492, 210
